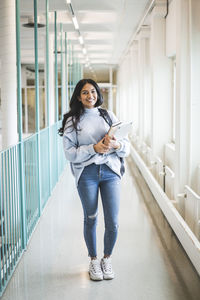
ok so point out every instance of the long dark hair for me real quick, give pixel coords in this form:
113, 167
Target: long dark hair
76, 106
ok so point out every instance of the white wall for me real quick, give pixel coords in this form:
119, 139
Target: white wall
175, 37
171, 30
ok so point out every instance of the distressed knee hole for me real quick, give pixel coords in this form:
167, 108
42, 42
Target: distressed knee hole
93, 216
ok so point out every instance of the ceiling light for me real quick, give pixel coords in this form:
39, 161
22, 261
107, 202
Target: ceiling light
80, 39
68, 1
74, 19
84, 51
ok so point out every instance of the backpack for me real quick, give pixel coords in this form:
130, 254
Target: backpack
104, 114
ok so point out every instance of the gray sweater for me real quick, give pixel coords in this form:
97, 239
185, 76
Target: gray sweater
78, 147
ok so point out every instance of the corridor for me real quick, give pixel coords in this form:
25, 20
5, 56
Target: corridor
148, 260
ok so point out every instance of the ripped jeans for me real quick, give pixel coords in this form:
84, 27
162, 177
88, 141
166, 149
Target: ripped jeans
94, 178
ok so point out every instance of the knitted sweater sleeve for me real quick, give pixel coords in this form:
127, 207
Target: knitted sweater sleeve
73, 152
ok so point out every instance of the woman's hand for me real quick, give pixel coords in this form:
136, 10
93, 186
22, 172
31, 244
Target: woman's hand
111, 142
101, 147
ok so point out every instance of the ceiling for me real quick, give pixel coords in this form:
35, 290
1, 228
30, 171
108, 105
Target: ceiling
106, 28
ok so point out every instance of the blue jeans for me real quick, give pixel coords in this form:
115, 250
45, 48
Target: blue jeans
95, 178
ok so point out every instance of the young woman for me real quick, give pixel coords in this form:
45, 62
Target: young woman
95, 163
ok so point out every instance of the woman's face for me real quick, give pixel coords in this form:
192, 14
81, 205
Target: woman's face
88, 96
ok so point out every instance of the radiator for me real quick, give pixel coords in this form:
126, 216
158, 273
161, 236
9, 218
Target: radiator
169, 183
143, 152
192, 210
150, 161
159, 171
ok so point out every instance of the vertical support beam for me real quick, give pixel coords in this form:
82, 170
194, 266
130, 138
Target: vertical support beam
110, 99
161, 80
66, 73
144, 84
37, 103
182, 101
119, 85
135, 85
21, 144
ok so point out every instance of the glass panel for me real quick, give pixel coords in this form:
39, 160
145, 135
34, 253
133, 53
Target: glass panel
31, 109
28, 64
27, 68
41, 61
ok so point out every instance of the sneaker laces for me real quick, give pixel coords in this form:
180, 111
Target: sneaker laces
95, 266
107, 265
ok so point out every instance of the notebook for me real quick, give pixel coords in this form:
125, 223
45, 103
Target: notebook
120, 129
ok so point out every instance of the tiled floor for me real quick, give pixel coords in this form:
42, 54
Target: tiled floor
148, 260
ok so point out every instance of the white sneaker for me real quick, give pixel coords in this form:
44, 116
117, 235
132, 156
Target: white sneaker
106, 267
95, 270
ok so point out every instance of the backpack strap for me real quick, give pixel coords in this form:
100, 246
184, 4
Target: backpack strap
104, 114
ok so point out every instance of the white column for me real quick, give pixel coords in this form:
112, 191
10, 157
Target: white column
51, 81
182, 100
144, 84
194, 152
118, 91
129, 89
124, 89
8, 73
161, 76
110, 95
135, 86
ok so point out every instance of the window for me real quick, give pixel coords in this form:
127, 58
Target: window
174, 102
